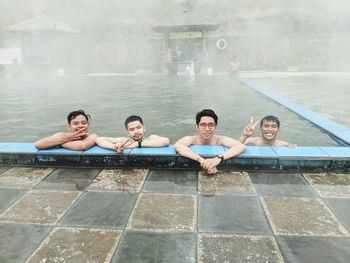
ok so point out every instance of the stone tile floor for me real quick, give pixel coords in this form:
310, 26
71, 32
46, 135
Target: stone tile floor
91, 215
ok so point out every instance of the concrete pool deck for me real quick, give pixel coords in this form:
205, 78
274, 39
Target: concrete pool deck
93, 215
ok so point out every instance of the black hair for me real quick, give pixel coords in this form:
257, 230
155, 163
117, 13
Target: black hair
131, 119
270, 118
206, 112
76, 113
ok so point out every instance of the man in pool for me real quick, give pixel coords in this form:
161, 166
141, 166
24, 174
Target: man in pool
269, 128
136, 137
206, 123
77, 138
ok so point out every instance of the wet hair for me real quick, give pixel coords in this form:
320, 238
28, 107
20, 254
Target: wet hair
131, 119
76, 113
270, 118
204, 113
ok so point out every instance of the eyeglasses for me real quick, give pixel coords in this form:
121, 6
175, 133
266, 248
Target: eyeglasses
210, 125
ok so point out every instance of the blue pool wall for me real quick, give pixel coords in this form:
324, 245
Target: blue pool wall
254, 158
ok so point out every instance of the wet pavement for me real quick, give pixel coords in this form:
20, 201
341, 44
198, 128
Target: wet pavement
91, 215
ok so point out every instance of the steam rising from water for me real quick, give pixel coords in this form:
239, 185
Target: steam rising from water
115, 36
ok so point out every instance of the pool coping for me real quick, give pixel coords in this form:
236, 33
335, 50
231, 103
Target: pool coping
254, 158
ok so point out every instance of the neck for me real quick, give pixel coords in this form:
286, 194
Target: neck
141, 139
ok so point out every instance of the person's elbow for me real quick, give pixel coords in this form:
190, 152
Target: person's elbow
39, 145
239, 148
242, 147
165, 141
81, 146
85, 145
42, 144
178, 146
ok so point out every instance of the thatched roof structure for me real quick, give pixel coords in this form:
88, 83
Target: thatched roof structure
41, 24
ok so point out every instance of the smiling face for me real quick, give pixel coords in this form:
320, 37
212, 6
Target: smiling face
206, 127
135, 130
269, 130
78, 123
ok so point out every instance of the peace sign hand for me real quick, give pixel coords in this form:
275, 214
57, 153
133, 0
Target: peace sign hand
119, 147
249, 129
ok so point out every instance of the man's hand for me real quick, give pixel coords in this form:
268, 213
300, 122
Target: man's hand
249, 129
210, 164
80, 134
120, 146
213, 171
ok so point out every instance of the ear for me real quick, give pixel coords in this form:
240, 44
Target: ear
69, 127
197, 127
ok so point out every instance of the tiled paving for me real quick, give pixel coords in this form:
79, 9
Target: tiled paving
90, 215
23, 178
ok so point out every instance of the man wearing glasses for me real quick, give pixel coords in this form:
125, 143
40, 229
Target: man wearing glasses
206, 122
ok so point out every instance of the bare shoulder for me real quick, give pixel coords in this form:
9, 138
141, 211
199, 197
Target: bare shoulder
187, 140
254, 141
91, 136
281, 143
158, 138
226, 141
153, 136
219, 139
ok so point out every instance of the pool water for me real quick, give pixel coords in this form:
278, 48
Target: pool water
32, 108
326, 94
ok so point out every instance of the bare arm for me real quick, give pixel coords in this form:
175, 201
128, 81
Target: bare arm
235, 146
248, 130
108, 142
151, 141
60, 138
81, 145
154, 141
209, 164
181, 146
54, 140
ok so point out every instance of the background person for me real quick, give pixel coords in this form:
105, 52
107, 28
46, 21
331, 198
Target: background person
206, 123
136, 137
77, 138
234, 65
